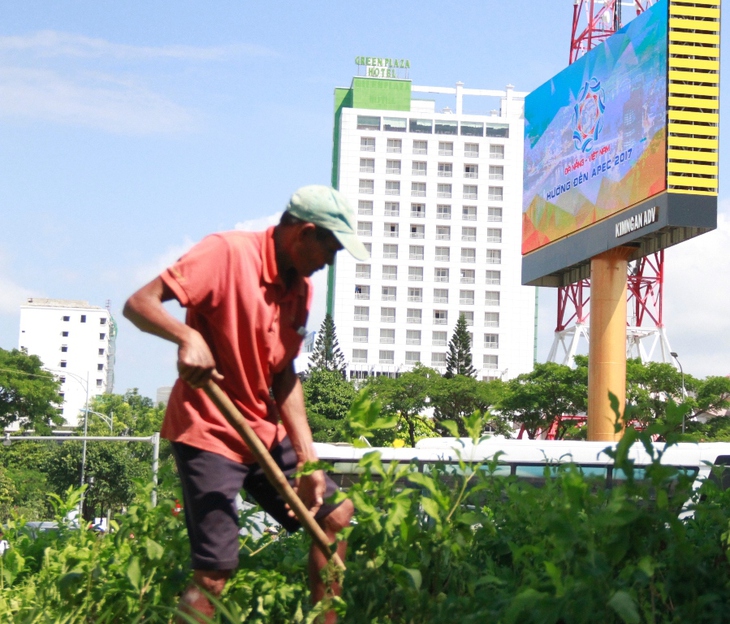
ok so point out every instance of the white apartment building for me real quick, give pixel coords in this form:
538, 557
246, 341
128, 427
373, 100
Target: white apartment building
438, 196
75, 341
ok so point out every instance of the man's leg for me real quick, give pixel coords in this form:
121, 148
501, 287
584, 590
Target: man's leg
332, 524
210, 483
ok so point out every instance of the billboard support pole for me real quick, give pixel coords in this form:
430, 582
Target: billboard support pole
607, 350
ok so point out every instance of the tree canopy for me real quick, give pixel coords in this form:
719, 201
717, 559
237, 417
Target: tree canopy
328, 398
29, 395
326, 354
458, 359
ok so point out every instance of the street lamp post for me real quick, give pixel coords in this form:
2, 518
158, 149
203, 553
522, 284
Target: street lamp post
681, 370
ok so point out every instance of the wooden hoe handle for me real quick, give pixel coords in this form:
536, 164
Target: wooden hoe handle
271, 469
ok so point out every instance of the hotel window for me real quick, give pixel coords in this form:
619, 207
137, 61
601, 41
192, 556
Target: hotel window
395, 146
467, 276
443, 211
438, 359
446, 148
83, 318
390, 252
418, 211
387, 336
413, 316
364, 228
418, 189
420, 126
494, 214
440, 295
392, 167
360, 356
496, 172
99, 383
494, 256
469, 318
471, 171
390, 272
491, 341
392, 209
386, 357
420, 147
494, 235
394, 124
495, 193
413, 357
466, 297
415, 274
366, 122
64, 348
438, 338
362, 291
443, 232
470, 191
491, 361
101, 351
102, 321
491, 319
362, 271
468, 233
102, 336
496, 152
493, 278
447, 127
362, 313
491, 298
469, 213
364, 207
472, 128
440, 275
387, 315
390, 230
392, 187
368, 248
418, 231
360, 334
443, 190
367, 165
415, 295
388, 293
471, 150
415, 252
100, 367
63, 363
418, 168
367, 144
446, 170
443, 254
413, 336
468, 254
367, 187
65, 333
440, 317
498, 130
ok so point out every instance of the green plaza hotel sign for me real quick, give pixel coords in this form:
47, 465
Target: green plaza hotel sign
377, 67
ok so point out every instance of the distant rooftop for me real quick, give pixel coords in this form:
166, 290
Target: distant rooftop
59, 303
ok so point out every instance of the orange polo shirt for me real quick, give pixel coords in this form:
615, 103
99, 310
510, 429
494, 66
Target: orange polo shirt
236, 299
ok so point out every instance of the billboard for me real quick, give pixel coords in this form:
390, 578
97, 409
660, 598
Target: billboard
597, 145
595, 135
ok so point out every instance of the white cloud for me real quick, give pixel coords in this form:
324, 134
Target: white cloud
152, 269
90, 99
261, 223
12, 295
50, 43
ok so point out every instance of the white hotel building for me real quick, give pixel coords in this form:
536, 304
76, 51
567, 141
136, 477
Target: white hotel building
438, 196
75, 341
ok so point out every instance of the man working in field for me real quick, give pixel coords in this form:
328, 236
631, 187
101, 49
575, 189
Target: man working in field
247, 296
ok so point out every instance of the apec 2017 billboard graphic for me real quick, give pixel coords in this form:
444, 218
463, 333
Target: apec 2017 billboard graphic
595, 134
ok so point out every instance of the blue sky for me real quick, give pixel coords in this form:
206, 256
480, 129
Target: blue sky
130, 130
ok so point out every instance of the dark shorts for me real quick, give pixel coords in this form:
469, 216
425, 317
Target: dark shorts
210, 483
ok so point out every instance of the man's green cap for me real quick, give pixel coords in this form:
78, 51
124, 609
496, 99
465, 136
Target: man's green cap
328, 208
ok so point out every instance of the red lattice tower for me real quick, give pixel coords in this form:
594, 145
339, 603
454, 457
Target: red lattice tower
646, 276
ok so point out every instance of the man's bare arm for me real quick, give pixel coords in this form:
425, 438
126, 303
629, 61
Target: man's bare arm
290, 401
145, 309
